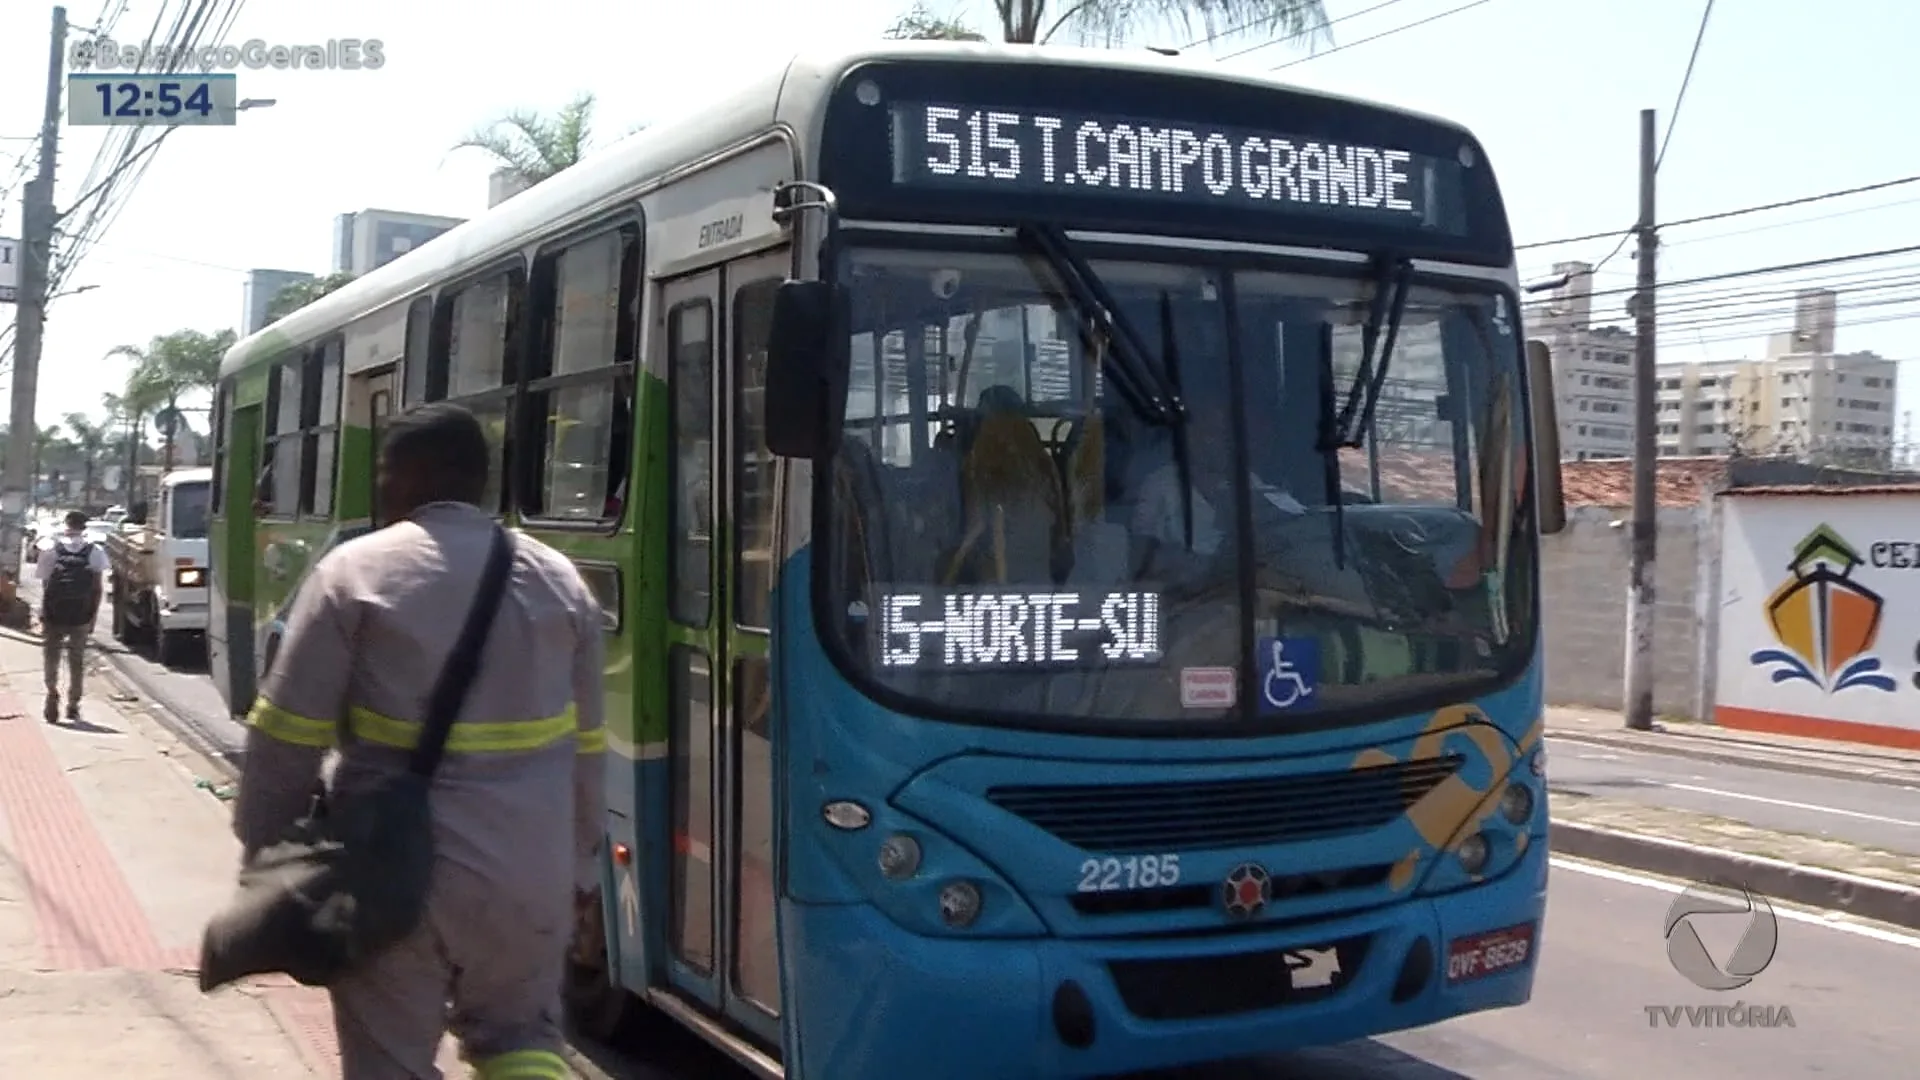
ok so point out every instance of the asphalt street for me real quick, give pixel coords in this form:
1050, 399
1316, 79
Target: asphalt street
1880, 815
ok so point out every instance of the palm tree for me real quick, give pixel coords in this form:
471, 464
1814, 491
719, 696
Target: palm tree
45, 441
1037, 22
534, 147
301, 293
90, 440
921, 24
170, 367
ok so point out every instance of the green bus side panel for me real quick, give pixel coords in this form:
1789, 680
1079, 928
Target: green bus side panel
636, 673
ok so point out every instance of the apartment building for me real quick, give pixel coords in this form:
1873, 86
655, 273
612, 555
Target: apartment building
258, 292
1592, 367
368, 239
1803, 400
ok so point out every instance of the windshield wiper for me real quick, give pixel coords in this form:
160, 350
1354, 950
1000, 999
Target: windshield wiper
1143, 385
1346, 430
1149, 388
1390, 283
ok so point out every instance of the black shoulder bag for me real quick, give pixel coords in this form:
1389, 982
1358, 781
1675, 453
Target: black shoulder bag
352, 878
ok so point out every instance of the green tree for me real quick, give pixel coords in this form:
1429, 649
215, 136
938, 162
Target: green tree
534, 146
301, 293
90, 442
1038, 22
48, 442
167, 369
921, 24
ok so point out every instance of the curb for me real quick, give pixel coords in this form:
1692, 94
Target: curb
1812, 886
132, 680
1750, 761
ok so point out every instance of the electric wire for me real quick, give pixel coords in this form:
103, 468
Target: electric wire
1382, 34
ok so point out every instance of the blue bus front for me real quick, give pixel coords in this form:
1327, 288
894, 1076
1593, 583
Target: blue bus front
1160, 681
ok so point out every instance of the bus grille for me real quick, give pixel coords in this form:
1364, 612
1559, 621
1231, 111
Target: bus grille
1123, 818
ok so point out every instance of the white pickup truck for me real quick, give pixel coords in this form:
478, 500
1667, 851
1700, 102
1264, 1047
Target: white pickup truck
158, 592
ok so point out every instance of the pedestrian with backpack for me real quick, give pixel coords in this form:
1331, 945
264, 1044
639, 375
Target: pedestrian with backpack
72, 571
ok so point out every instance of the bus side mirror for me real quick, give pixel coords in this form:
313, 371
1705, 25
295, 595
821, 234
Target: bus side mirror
807, 361
1551, 498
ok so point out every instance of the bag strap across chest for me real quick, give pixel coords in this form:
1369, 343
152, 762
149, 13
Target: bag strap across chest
463, 664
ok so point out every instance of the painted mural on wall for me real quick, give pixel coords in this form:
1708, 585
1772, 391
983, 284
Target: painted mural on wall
1819, 618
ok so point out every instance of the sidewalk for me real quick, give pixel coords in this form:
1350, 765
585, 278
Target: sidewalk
113, 851
1709, 742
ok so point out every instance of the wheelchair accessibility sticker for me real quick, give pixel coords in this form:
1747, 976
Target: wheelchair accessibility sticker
1288, 671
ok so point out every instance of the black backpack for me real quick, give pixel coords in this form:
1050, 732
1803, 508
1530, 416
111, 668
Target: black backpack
68, 598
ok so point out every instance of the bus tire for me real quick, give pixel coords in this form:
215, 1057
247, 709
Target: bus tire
595, 1006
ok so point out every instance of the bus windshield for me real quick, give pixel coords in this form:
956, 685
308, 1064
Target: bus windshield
1019, 525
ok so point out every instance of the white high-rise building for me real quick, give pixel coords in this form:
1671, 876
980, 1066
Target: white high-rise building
1803, 400
1592, 368
373, 238
258, 292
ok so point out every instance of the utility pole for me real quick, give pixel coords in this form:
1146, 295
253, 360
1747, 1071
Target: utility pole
1639, 689
30, 310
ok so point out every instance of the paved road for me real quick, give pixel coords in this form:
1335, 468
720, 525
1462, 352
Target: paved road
1885, 816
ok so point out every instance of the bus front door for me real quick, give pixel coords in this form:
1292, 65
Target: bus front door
721, 942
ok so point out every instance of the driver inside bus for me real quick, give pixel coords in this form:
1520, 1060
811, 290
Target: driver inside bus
1159, 511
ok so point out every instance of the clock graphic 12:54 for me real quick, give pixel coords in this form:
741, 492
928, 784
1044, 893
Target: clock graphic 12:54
158, 99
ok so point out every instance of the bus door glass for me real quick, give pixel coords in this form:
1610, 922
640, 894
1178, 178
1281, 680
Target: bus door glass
753, 953
379, 391
720, 933
684, 855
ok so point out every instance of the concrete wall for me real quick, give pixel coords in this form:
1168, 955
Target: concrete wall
1584, 595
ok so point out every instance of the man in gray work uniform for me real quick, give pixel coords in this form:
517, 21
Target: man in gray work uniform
517, 801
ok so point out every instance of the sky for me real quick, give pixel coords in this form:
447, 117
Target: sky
1780, 106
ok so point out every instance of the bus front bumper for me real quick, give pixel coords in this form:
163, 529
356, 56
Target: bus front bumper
869, 1000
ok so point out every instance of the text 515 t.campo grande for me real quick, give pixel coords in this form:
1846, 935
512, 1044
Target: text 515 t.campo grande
161, 100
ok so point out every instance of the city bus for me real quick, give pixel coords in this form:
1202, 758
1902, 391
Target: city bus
1067, 525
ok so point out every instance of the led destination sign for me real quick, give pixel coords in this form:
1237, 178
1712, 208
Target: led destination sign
984, 630
1066, 153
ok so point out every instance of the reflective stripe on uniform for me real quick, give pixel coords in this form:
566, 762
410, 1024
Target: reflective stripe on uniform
510, 736
270, 719
523, 1065
593, 742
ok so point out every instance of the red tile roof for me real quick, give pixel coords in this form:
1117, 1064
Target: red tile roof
1678, 481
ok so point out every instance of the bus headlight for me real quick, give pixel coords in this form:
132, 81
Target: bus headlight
189, 577
960, 904
1516, 803
1473, 853
899, 857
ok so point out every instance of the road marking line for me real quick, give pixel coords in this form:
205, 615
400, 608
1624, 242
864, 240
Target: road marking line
1832, 920
1791, 804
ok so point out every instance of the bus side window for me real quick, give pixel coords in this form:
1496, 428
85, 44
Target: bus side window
579, 400
319, 426
279, 489
222, 403
473, 358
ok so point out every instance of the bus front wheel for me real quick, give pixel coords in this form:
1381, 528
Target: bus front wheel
596, 1005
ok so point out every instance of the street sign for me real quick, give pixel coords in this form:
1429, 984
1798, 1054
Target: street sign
9, 269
